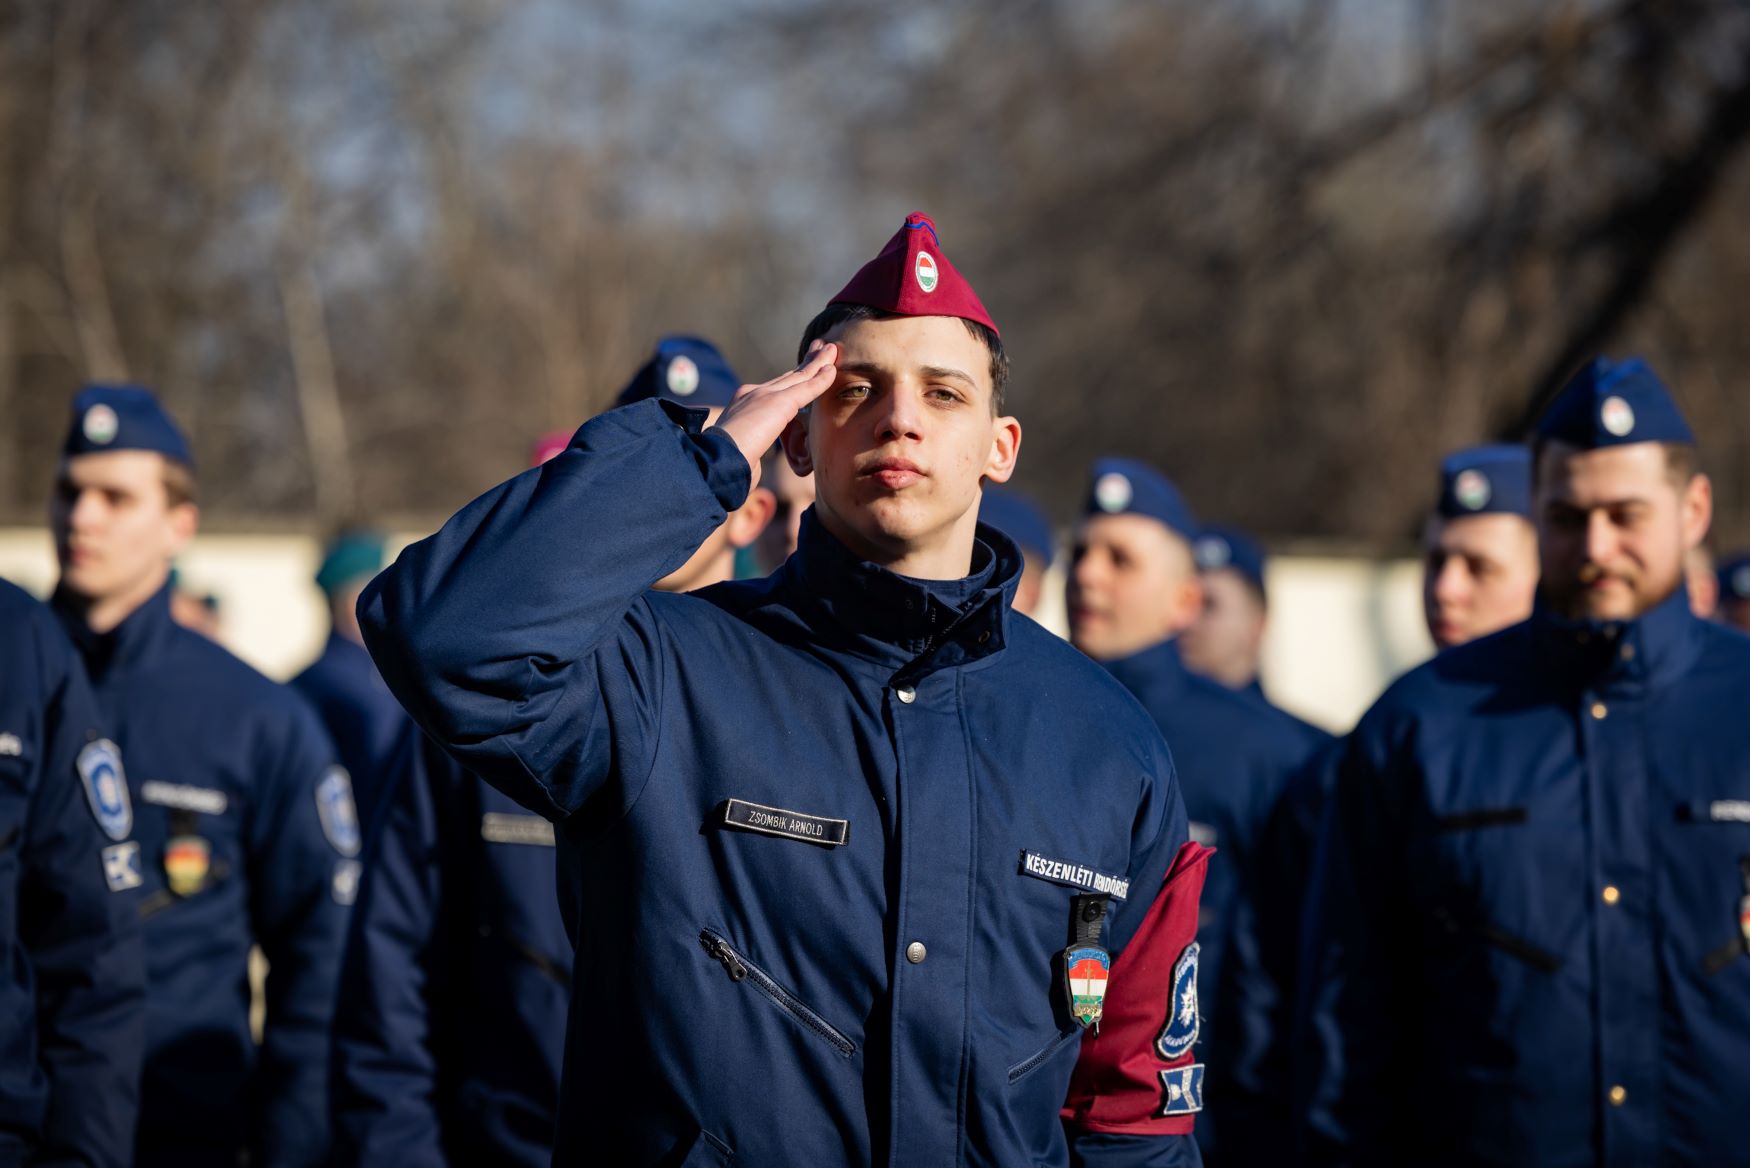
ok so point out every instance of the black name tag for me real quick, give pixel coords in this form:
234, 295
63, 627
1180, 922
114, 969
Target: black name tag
810, 829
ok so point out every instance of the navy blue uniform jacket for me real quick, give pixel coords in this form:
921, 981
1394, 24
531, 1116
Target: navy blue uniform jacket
72, 977
1235, 754
450, 1028
361, 715
234, 787
1528, 941
765, 994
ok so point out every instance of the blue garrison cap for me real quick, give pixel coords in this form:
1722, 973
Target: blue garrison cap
1015, 516
1486, 480
1220, 547
356, 555
1735, 577
1124, 486
123, 417
1614, 403
688, 371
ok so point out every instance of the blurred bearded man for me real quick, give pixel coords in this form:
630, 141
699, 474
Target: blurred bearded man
1529, 910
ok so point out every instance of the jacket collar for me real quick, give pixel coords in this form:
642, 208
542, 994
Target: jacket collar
1656, 647
1157, 669
139, 638
914, 627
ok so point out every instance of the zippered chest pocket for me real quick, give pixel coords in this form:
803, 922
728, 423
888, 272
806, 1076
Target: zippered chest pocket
742, 971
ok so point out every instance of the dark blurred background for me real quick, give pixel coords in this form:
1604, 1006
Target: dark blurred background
1289, 249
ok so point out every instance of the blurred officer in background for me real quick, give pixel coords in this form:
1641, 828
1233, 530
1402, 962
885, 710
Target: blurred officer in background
194, 610
1479, 549
1530, 912
692, 373
245, 825
450, 1031
1133, 589
822, 837
793, 494
1734, 592
1225, 643
1013, 514
72, 987
342, 685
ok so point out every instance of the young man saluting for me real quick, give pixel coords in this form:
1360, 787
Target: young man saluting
853, 856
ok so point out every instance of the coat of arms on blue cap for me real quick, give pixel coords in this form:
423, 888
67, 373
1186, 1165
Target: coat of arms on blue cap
1127, 486
1614, 403
686, 370
123, 417
1220, 547
1486, 480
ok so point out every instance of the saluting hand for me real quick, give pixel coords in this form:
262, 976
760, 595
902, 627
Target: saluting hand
759, 413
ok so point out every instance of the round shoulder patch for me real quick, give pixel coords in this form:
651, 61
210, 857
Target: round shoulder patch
100, 424
683, 376
1180, 1033
925, 270
1113, 492
1617, 415
106, 788
1472, 490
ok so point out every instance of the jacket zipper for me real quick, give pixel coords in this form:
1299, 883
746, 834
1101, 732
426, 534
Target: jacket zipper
741, 969
1019, 1070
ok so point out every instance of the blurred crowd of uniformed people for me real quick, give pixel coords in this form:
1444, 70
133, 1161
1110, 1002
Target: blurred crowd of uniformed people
1520, 889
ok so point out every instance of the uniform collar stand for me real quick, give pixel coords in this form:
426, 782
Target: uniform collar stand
899, 621
136, 639
1658, 645
1155, 666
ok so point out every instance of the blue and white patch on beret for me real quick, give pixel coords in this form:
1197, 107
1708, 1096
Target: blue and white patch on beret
1486, 480
1614, 403
689, 371
1734, 577
1213, 552
1125, 486
123, 417
1219, 547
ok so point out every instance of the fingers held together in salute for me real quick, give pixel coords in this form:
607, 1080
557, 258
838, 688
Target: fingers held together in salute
759, 413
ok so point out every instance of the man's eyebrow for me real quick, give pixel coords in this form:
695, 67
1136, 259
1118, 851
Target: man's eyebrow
944, 373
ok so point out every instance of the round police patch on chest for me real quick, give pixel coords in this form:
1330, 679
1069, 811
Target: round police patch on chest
106, 788
334, 806
1180, 1033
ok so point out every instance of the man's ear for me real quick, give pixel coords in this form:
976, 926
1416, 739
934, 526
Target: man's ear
1005, 449
794, 440
1697, 510
184, 519
747, 521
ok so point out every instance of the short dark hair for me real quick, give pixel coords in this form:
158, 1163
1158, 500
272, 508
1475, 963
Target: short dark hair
833, 315
1682, 461
179, 482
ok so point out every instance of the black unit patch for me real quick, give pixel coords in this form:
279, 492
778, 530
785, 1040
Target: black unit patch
810, 829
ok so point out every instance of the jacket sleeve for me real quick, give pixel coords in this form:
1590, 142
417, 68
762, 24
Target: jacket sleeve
1116, 1112
302, 874
517, 636
385, 1085
1350, 1086
84, 946
1137, 1086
